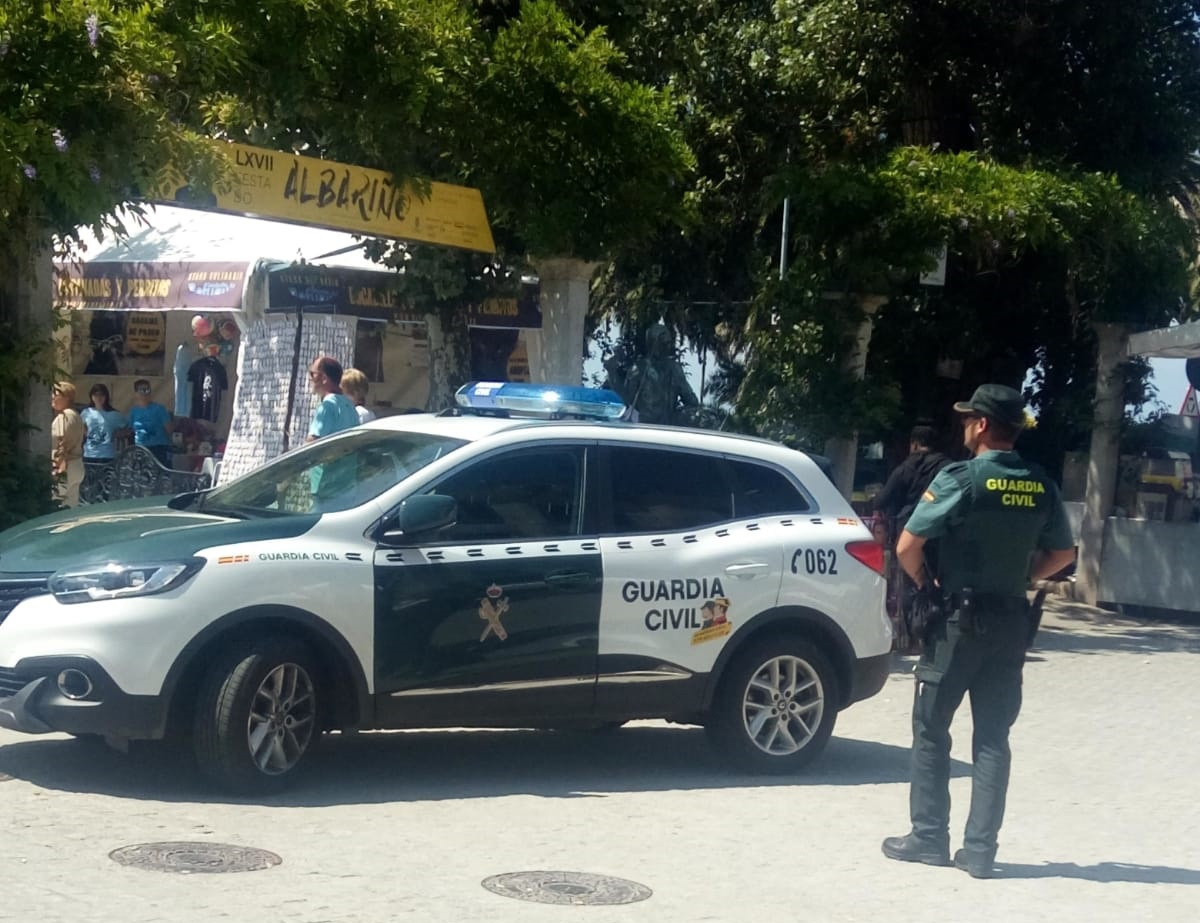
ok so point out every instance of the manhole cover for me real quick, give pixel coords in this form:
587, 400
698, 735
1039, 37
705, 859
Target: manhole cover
190, 858
567, 888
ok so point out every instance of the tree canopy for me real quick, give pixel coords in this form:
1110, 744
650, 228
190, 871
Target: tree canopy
573, 155
1079, 120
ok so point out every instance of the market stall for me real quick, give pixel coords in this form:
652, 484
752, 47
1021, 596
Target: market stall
221, 316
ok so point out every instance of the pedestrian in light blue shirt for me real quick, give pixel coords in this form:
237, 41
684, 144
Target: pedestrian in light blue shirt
151, 422
334, 413
104, 426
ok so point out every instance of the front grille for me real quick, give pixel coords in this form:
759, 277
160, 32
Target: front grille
15, 589
9, 684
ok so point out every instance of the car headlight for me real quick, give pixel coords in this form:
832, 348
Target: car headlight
121, 581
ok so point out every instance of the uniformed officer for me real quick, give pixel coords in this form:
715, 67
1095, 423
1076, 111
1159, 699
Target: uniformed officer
1001, 523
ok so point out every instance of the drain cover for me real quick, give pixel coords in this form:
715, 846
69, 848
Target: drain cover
192, 858
567, 888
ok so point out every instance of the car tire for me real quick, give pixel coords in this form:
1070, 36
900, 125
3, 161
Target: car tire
257, 715
775, 707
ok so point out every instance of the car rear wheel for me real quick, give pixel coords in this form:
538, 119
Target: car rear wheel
257, 715
776, 706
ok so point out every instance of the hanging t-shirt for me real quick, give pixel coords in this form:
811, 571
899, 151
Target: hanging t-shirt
208, 380
183, 397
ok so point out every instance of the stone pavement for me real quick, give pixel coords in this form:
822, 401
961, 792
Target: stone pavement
1103, 820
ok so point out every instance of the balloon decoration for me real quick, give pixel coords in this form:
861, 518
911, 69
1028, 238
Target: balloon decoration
214, 338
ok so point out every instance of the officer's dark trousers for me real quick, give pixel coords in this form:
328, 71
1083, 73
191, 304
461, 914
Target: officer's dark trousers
987, 665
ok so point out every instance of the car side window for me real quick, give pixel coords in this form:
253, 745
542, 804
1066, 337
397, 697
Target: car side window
660, 490
516, 496
760, 490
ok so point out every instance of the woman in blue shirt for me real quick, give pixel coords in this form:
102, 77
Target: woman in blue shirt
151, 422
104, 424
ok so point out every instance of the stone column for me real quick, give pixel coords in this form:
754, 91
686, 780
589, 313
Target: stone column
565, 284
842, 451
1104, 458
31, 296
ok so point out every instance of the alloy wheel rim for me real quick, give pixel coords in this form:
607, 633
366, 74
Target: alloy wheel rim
782, 706
282, 719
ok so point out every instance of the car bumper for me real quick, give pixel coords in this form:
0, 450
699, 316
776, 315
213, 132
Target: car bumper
870, 673
31, 701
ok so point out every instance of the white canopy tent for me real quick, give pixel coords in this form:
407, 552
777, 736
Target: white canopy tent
175, 263
173, 234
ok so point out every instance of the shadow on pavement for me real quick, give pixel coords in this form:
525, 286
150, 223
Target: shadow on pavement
1074, 628
409, 766
1103, 872
1119, 638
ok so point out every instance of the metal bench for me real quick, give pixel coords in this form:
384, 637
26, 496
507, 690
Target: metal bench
135, 472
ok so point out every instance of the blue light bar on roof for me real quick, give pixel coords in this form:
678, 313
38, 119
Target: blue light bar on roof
516, 397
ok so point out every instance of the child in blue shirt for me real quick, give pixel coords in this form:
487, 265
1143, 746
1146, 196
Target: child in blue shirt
151, 422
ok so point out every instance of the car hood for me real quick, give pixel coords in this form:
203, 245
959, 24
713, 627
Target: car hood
131, 530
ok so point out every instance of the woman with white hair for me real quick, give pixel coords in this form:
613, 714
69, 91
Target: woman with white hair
66, 443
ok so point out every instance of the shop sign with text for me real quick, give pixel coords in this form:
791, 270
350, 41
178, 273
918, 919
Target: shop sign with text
306, 190
136, 286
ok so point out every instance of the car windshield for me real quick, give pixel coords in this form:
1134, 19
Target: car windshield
332, 474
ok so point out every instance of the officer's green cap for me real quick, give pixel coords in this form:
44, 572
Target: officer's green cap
997, 402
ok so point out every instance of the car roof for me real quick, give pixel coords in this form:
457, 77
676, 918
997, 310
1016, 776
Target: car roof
473, 427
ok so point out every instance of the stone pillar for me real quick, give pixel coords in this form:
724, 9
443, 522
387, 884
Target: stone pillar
565, 284
1104, 458
842, 451
449, 357
30, 288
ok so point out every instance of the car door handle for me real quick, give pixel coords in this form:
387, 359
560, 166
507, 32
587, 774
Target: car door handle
569, 579
748, 571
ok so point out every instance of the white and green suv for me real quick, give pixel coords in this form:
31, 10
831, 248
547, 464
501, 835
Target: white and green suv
453, 570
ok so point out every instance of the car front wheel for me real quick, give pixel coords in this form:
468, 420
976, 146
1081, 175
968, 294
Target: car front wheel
776, 706
257, 715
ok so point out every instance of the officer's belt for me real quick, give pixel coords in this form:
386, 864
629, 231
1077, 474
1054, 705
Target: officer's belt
994, 602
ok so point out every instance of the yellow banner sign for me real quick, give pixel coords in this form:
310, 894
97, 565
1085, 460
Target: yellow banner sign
305, 190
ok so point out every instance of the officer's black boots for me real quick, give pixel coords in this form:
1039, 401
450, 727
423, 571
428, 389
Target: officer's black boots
975, 864
912, 848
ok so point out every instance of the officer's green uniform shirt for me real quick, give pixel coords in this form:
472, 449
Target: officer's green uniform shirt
991, 513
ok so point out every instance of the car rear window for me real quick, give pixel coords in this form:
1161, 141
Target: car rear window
761, 490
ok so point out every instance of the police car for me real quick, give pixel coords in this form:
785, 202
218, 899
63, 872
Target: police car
472, 568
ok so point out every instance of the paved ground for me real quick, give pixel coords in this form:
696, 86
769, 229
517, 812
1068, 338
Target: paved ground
1103, 820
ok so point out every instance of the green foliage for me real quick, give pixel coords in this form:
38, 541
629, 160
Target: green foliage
25, 481
1081, 118
873, 226
576, 159
90, 95
25, 488
381, 84
798, 378
1062, 247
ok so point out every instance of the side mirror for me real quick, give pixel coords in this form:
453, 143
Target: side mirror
421, 514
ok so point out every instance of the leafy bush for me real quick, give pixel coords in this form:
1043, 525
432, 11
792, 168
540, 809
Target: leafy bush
25, 488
